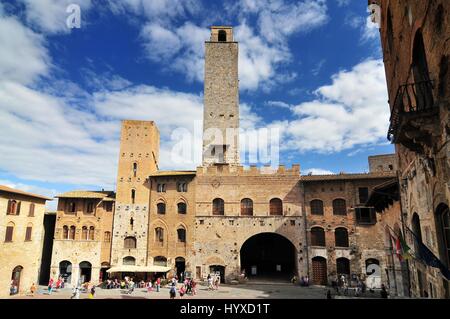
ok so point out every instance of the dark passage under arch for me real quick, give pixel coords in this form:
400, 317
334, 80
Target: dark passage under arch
268, 256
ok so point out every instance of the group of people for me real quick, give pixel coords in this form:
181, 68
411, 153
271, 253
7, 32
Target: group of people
55, 285
213, 282
304, 280
188, 287
129, 284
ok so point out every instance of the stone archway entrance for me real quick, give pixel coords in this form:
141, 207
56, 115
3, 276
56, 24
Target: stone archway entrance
268, 256
85, 271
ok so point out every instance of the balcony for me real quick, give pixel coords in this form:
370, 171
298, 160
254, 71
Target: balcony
413, 117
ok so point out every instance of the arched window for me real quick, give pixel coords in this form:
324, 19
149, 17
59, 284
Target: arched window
159, 234
72, 207
160, 261
161, 188
317, 237
182, 208
133, 196
129, 243
28, 232
339, 207
341, 237
9, 232
181, 232
161, 208
316, 206
91, 233
131, 261
276, 207
218, 207
72, 232
390, 31
65, 232
246, 207
222, 36
15, 280
423, 89
135, 169
12, 205
415, 223
31, 211
84, 233
107, 237
343, 266
443, 232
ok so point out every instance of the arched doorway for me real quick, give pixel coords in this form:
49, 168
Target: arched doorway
85, 271
217, 270
180, 265
268, 255
15, 280
319, 271
103, 271
65, 270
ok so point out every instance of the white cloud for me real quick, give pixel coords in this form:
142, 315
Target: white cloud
280, 104
317, 171
343, 3
262, 50
352, 111
23, 56
50, 16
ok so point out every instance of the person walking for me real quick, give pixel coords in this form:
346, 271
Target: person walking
383, 292
92, 294
173, 291
158, 284
50, 285
33, 289
210, 283
329, 294
75, 293
194, 287
182, 291
216, 283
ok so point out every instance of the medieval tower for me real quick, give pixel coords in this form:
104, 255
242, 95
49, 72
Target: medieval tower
138, 158
221, 101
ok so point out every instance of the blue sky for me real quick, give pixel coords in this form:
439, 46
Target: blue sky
310, 68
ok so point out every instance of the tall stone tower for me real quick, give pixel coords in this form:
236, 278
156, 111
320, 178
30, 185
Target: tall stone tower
138, 158
221, 99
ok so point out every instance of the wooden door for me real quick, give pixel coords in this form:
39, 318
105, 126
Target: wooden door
319, 266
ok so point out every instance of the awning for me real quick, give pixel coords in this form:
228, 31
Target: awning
130, 268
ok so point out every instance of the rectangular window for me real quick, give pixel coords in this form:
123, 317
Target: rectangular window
28, 234
366, 215
9, 234
363, 193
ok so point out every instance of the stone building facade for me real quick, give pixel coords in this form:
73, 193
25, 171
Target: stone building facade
227, 219
21, 239
414, 36
83, 234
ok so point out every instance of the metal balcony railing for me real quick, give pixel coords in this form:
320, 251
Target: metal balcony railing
411, 98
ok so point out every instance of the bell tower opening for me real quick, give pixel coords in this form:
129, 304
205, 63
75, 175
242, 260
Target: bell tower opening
222, 36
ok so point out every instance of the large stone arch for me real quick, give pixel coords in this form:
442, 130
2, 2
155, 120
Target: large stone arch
268, 255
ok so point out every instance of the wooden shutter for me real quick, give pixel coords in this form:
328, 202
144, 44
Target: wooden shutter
31, 212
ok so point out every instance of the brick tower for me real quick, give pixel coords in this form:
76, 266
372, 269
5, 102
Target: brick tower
138, 158
221, 99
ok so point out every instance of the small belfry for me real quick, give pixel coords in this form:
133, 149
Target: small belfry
221, 99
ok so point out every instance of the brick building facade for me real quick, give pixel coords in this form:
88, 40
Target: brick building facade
414, 36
